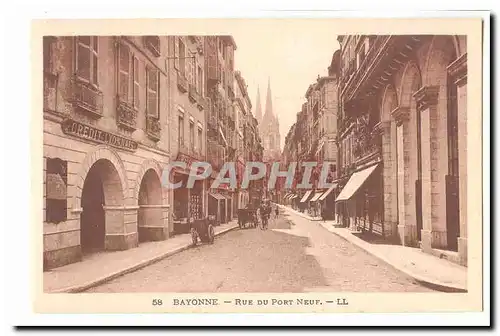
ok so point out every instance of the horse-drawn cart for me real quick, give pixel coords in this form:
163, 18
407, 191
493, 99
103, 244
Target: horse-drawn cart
204, 230
247, 216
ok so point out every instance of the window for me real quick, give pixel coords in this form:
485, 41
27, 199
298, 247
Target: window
56, 190
153, 44
191, 135
136, 87
124, 72
181, 131
182, 57
86, 58
200, 80
152, 82
200, 139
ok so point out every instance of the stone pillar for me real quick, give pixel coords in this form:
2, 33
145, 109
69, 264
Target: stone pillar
458, 70
434, 165
407, 229
153, 222
117, 237
389, 147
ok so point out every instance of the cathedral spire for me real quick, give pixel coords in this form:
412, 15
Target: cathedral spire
269, 101
258, 111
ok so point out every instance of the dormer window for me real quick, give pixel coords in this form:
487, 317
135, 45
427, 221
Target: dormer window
153, 44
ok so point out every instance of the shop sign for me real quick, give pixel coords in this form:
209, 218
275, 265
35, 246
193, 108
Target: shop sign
80, 130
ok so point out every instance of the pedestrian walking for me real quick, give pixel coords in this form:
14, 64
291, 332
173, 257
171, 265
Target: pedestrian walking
276, 212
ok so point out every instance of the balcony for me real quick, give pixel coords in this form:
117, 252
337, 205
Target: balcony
126, 115
87, 98
182, 83
153, 128
193, 94
386, 55
201, 103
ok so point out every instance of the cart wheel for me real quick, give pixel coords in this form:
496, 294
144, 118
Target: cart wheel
211, 234
194, 236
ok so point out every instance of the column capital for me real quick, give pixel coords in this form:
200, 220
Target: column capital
426, 96
458, 70
401, 114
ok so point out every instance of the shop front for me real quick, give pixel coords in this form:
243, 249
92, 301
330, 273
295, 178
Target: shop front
327, 200
188, 202
361, 201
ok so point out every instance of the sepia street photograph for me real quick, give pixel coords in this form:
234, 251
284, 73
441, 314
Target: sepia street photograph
306, 161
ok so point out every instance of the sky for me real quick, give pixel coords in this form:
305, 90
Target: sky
292, 55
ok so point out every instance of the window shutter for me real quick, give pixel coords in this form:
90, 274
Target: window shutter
123, 72
136, 86
152, 92
176, 52
83, 58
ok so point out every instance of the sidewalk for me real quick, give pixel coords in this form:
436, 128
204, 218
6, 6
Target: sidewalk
102, 267
433, 272
299, 213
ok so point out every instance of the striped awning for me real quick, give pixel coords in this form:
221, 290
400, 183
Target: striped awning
306, 196
217, 196
326, 193
316, 196
355, 182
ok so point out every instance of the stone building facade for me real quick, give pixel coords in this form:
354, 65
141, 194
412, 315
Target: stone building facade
187, 90
402, 137
242, 108
221, 144
105, 143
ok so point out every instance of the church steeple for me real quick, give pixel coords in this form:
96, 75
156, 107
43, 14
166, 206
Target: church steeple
270, 126
258, 110
269, 99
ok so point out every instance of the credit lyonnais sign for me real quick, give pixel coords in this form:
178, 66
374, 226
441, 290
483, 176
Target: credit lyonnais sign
78, 129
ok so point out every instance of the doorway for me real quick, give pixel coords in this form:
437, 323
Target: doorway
92, 221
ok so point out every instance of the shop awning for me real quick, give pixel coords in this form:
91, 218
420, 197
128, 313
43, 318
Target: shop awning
316, 196
293, 197
287, 195
355, 182
217, 196
306, 196
326, 193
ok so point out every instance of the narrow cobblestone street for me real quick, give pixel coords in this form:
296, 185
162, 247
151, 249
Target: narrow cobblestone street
294, 255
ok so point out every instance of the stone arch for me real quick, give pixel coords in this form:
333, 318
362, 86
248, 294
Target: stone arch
102, 153
150, 164
388, 103
410, 83
442, 51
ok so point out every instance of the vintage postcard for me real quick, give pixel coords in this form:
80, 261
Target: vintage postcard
291, 165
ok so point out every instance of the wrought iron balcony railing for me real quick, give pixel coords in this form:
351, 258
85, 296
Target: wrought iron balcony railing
153, 128
126, 115
87, 98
